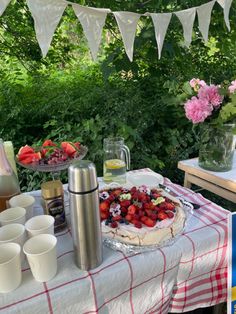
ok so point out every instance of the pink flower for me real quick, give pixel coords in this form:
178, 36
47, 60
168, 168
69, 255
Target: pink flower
197, 83
232, 87
197, 110
211, 94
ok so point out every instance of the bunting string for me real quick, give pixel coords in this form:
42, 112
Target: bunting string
48, 13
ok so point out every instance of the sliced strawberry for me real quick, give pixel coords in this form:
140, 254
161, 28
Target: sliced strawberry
141, 213
146, 205
136, 216
132, 209
133, 189
135, 195
114, 224
129, 217
143, 218
162, 215
124, 210
170, 214
116, 218
116, 192
125, 203
138, 224
111, 198
142, 197
149, 222
148, 212
154, 216
134, 221
104, 206
170, 206
162, 205
104, 215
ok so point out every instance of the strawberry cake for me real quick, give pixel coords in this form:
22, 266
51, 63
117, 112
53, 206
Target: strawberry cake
140, 215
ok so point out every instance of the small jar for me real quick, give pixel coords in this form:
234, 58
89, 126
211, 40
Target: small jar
53, 197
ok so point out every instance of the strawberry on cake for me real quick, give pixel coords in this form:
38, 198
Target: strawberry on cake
140, 215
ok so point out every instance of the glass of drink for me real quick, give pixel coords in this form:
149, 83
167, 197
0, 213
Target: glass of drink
116, 160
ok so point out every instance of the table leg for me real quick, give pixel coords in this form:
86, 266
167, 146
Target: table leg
187, 183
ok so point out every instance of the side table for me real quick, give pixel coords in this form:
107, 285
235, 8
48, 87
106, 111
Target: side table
220, 183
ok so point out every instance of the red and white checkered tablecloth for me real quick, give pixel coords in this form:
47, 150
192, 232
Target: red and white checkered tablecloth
189, 274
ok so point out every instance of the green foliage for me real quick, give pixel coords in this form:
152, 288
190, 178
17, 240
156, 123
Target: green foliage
66, 96
228, 112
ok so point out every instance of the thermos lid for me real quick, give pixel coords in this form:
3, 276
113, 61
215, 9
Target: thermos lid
51, 189
82, 177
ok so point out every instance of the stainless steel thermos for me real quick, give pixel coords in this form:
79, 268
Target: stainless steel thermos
85, 214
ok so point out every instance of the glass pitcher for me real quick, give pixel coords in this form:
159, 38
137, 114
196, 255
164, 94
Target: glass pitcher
116, 160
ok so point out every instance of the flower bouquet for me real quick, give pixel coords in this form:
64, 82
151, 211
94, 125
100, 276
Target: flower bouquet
214, 108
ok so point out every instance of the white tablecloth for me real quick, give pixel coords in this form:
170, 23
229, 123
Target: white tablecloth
189, 274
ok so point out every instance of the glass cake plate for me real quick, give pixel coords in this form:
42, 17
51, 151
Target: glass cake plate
55, 167
133, 249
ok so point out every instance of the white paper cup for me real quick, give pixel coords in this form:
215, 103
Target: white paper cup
42, 224
10, 267
13, 215
13, 233
23, 200
42, 256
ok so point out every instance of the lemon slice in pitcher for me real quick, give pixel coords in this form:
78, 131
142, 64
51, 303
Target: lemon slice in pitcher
114, 164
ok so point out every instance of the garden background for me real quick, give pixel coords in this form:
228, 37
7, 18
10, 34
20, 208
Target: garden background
67, 96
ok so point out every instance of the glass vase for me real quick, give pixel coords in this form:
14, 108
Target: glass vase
217, 147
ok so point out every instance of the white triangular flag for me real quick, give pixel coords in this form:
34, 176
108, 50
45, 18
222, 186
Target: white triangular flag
92, 21
226, 4
3, 5
46, 15
221, 3
186, 18
204, 18
161, 22
127, 23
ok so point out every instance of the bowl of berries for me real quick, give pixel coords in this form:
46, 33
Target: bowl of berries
50, 156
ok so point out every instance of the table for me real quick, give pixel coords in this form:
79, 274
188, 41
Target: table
189, 274
220, 183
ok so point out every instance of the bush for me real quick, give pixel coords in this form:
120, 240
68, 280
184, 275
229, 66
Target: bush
66, 97
82, 107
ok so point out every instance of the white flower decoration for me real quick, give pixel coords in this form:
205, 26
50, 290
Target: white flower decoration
104, 195
115, 209
145, 189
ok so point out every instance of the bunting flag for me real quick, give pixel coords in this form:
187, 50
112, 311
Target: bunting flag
46, 15
127, 23
161, 22
92, 21
226, 4
204, 18
3, 5
186, 18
